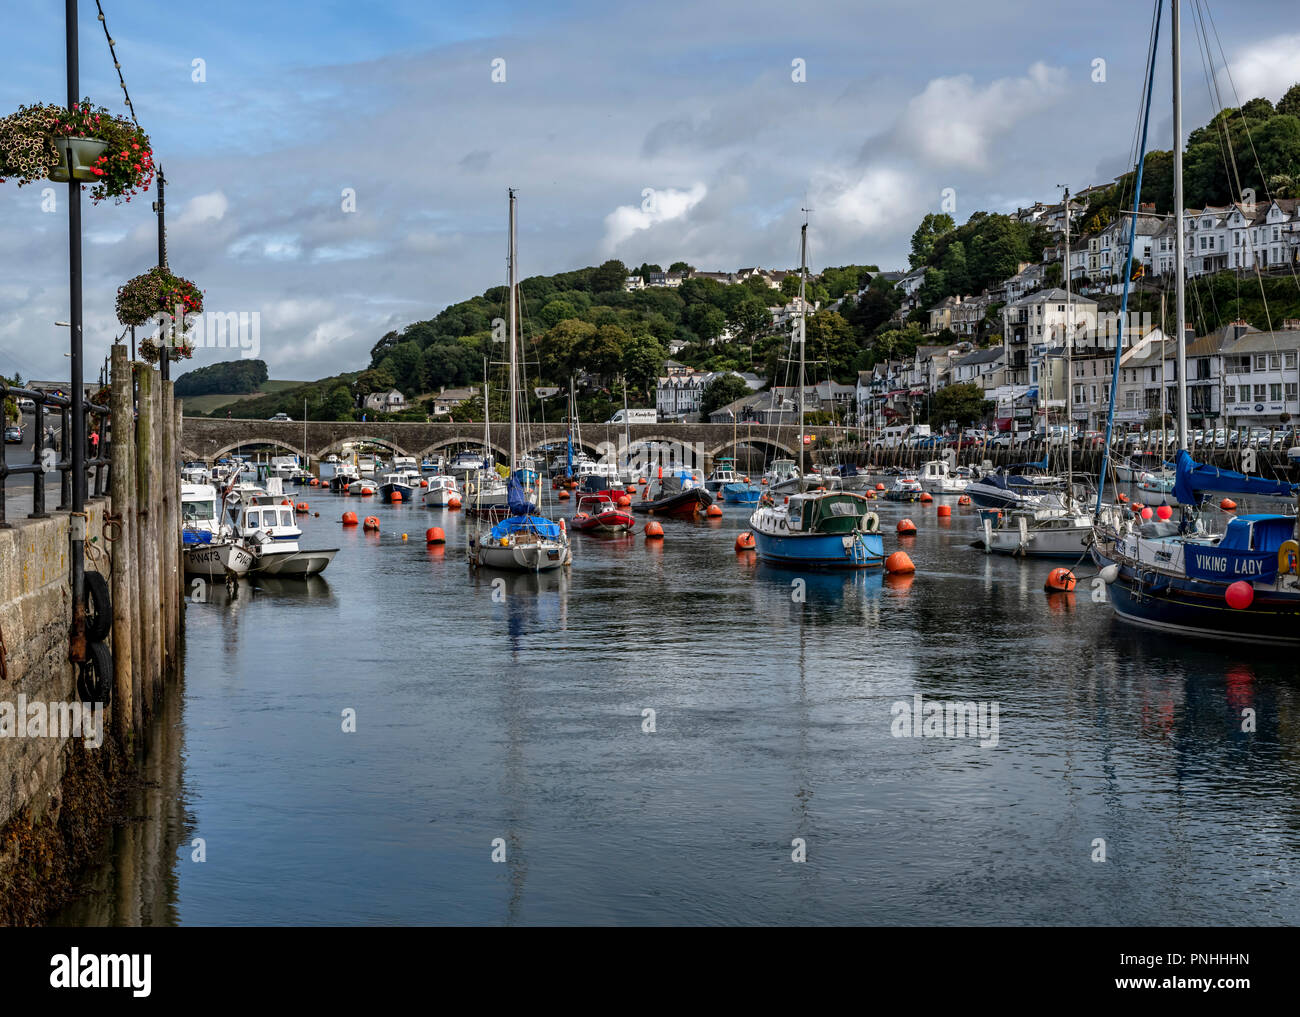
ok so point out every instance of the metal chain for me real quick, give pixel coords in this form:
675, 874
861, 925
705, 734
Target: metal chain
113, 53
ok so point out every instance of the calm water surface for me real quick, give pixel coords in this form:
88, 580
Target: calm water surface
520, 717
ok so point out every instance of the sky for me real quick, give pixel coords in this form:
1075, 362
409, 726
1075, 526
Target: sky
644, 132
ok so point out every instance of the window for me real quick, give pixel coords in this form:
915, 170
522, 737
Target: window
1275, 392
1153, 374
1261, 363
1259, 393
1275, 362
1245, 393
1291, 390
1230, 394
1290, 361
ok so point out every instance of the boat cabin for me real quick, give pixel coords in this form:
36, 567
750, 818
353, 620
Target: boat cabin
825, 513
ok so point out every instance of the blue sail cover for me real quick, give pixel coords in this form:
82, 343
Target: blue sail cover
1193, 477
517, 497
526, 524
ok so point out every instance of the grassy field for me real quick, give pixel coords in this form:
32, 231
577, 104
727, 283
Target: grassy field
208, 403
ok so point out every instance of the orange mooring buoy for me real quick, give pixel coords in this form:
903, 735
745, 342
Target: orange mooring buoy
366, 492
926, 497
654, 531
453, 502
564, 496
1228, 505
396, 496
370, 523
880, 487
898, 562
906, 527
302, 507
1059, 581
745, 542
943, 510
349, 519
713, 511
964, 500
424, 483
623, 501
434, 535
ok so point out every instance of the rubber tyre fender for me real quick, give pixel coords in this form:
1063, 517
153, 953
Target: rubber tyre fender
95, 674
99, 607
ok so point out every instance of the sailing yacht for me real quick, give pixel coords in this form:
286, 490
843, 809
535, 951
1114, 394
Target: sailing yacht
523, 540
816, 529
1176, 575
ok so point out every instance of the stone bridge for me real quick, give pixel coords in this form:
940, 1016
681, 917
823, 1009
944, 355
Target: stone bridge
210, 438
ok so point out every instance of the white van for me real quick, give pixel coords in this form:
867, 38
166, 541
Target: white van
899, 435
634, 417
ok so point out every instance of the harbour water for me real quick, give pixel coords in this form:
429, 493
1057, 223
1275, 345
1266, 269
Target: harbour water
515, 711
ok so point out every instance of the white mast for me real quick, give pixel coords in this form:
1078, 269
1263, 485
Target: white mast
803, 310
513, 381
1069, 361
1180, 312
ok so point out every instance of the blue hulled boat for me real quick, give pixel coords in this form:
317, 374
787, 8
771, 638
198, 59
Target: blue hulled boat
819, 529
1241, 584
742, 492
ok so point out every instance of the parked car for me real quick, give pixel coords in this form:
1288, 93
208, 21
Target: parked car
26, 405
281, 418
13, 435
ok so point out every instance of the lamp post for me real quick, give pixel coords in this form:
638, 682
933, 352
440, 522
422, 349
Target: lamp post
77, 420
159, 206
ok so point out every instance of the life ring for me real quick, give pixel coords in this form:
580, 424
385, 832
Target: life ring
870, 522
1287, 557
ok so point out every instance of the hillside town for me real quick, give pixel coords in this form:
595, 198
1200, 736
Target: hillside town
1239, 375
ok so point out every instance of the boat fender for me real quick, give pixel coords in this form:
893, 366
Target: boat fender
1287, 557
870, 522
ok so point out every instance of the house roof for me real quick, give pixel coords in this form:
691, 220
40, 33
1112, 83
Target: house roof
1048, 296
989, 356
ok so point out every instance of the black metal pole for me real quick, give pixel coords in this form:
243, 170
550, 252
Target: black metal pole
77, 645
160, 206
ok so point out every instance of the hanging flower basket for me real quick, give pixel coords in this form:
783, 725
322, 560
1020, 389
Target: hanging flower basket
45, 142
169, 300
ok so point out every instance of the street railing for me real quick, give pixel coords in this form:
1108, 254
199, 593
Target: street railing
49, 455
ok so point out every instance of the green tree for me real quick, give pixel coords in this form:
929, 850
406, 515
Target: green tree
609, 277
933, 226
643, 356
681, 266
706, 321
721, 391
1289, 104
963, 403
750, 319
559, 348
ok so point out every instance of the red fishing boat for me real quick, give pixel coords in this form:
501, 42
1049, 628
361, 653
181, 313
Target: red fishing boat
598, 513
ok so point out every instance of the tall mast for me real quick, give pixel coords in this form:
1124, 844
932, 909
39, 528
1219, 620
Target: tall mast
803, 310
1069, 359
1180, 311
511, 339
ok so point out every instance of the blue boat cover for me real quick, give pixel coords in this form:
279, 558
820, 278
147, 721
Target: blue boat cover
518, 497
1193, 477
526, 523
196, 536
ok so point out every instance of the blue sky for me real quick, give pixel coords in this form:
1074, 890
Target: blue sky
600, 103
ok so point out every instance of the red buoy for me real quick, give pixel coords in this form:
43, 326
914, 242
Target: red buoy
943, 510
1228, 505
654, 531
1240, 595
370, 523
349, 519
1059, 581
1164, 512
434, 535
906, 527
745, 542
898, 562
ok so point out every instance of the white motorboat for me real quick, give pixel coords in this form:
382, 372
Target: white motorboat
344, 475
938, 477
442, 488
270, 529
782, 477
209, 548
1040, 533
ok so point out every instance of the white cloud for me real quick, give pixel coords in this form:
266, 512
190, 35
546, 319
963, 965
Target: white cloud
661, 205
1265, 69
202, 208
878, 200
954, 123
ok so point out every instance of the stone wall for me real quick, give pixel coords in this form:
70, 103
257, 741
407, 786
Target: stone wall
35, 615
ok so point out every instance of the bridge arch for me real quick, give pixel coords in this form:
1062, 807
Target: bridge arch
583, 444
465, 443
770, 444
227, 449
337, 446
